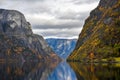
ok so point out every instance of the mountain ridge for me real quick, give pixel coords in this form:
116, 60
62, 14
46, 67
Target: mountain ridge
62, 47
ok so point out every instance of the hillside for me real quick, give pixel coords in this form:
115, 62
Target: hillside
17, 41
100, 36
62, 47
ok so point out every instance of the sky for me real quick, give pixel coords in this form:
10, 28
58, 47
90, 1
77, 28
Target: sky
53, 18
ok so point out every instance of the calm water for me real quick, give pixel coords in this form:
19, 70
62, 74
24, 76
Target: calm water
61, 71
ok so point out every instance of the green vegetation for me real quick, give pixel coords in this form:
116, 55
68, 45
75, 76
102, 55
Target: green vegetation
100, 36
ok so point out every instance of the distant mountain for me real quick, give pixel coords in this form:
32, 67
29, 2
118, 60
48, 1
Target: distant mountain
17, 41
63, 47
100, 36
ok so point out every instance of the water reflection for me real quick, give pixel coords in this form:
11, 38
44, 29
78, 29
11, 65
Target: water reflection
96, 71
62, 72
26, 71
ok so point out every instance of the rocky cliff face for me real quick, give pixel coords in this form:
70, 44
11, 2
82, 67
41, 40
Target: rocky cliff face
101, 33
17, 40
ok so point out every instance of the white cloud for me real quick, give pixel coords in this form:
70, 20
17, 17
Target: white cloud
53, 18
59, 33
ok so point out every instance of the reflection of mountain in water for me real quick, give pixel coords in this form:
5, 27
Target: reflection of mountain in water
49, 71
96, 71
26, 71
62, 72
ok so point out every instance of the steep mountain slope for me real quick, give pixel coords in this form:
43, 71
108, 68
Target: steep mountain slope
17, 41
100, 37
63, 47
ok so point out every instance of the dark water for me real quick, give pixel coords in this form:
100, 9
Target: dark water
61, 71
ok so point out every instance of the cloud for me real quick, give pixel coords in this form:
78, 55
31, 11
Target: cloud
73, 15
61, 24
53, 18
84, 1
59, 33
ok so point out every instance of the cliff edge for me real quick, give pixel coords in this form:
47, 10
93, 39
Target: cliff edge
17, 41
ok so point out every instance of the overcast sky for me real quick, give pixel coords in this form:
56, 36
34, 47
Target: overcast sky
53, 18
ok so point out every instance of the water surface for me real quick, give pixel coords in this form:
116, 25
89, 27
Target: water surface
99, 71
61, 71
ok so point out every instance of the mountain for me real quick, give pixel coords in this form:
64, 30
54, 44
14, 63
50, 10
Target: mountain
17, 41
100, 36
63, 47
